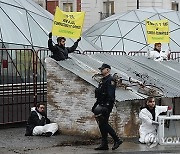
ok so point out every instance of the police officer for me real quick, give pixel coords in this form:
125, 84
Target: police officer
105, 95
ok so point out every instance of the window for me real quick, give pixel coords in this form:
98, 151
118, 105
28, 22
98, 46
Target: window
51, 6
108, 7
68, 7
175, 6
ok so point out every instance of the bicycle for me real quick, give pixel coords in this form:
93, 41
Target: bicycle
143, 88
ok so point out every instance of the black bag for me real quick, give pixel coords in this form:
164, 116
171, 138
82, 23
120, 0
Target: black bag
101, 110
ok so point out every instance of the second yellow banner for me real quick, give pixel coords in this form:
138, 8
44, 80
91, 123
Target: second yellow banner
157, 31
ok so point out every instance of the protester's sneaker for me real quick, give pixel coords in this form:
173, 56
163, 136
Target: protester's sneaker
48, 134
117, 144
153, 145
102, 147
153, 141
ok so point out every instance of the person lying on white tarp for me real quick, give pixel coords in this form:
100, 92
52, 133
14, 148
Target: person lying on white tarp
38, 123
157, 54
148, 116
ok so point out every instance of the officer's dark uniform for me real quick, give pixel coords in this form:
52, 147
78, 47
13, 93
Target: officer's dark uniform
105, 94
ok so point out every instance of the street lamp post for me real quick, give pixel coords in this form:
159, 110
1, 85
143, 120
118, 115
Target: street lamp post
137, 4
46, 4
107, 7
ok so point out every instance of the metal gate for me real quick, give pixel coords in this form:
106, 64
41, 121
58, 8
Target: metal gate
22, 83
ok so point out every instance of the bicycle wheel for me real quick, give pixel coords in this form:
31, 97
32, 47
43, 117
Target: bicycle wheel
151, 90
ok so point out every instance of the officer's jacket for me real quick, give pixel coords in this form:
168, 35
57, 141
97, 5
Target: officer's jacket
59, 52
105, 93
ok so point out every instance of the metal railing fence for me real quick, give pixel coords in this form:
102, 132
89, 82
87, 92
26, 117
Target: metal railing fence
22, 82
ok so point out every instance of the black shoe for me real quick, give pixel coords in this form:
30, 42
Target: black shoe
28, 134
48, 134
117, 144
102, 147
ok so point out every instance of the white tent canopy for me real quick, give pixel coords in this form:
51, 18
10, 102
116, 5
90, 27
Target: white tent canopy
127, 31
25, 24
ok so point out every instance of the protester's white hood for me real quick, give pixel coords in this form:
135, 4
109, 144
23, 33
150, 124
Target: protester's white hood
33, 109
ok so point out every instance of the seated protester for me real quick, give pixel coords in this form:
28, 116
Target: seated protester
60, 52
149, 124
157, 54
38, 123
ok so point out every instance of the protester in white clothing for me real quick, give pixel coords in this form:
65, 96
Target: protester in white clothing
157, 54
148, 116
38, 123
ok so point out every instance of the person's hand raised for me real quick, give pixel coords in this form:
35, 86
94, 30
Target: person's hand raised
50, 35
79, 39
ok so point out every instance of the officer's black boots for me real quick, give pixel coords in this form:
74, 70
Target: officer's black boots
117, 144
102, 147
48, 134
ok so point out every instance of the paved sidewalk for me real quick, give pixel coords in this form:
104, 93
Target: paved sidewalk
13, 141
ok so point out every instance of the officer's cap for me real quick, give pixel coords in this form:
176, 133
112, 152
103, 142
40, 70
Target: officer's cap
104, 66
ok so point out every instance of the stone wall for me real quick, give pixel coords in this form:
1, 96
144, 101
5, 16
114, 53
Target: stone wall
70, 99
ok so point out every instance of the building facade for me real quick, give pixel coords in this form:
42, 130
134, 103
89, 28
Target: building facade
41, 3
65, 5
97, 10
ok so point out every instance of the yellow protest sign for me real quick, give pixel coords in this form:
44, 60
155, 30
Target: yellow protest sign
157, 31
68, 24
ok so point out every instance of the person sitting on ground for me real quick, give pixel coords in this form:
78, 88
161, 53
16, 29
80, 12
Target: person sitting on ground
60, 52
38, 123
159, 55
148, 116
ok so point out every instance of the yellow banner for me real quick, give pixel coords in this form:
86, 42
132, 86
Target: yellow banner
157, 31
68, 24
